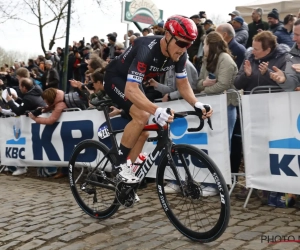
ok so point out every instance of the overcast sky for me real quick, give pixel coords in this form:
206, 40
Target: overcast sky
20, 36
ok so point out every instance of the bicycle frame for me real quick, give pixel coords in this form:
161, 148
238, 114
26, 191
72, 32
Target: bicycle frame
163, 143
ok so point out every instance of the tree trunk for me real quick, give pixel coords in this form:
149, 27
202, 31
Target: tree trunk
52, 41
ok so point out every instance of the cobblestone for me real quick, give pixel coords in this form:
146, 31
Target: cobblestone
47, 221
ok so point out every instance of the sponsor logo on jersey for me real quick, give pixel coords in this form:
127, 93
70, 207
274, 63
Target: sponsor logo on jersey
126, 54
156, 69
141, 67
152, 44
119, 92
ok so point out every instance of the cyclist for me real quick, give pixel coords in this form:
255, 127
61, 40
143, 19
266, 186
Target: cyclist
146, 58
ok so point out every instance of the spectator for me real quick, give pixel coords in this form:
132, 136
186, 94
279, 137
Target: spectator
146, 32
79, 47
76, 64
119, 49
83, 64
96, 44
256, 26
54, 99
236, 13
218, 72
203, 16
264, 54
71, 61
158, 29
273, 20
131, 39
31, 100
60, 64
17, 65
40, 61
95, 62
137, 34
193, 50
130, 33
54, 58
31, 96
237, 50
31, 65
168, 88
111, 48
238, 53
115, 34
285, 33
208, 26
97, 85
36, 76
50, 79
290, 78
241, 35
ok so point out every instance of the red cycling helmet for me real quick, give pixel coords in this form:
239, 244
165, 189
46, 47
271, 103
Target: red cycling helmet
182, 26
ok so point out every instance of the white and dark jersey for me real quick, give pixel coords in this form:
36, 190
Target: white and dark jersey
144, 60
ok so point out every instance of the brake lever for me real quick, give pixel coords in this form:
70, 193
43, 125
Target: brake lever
207, 108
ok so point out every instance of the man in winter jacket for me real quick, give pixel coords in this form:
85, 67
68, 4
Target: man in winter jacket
256, 26
259, 60
241, 34
31, 98
237, 50
273, 20
285, 33
290, 78
50, 79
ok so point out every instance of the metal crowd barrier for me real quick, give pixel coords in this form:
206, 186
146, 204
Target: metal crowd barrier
260, 90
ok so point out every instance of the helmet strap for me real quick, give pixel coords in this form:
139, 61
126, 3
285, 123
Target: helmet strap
168, 42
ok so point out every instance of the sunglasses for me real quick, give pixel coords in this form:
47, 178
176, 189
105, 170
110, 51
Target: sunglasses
182, 44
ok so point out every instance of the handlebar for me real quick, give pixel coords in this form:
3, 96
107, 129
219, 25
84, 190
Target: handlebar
197, 113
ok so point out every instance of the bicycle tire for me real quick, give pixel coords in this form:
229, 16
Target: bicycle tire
188, 222
88, 150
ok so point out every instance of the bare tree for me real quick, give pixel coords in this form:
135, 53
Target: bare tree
218, 19
6, 11
44, 13
10, 56
50, 14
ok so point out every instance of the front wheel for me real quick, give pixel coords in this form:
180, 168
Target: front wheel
94, 191
193, 193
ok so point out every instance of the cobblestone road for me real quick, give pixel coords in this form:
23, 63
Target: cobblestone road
38, 214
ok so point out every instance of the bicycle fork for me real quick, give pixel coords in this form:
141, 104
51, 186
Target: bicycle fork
188, 176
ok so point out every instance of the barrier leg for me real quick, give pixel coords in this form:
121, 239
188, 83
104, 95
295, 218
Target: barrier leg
248, 197
233, 185
2, 169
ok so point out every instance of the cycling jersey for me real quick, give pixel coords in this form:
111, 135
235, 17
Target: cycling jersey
144, 60
141, 61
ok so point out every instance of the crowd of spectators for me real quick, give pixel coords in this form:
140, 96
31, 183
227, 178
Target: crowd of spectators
232, 55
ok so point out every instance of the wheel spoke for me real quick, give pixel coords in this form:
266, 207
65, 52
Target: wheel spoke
92, 188
198, 213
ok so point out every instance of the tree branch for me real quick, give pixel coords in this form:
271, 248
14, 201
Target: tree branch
21, 19
50, 7
31, 8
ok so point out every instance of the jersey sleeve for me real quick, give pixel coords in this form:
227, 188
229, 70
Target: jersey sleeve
180, 70
138, 67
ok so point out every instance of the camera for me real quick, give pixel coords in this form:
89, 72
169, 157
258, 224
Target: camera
90, 86
2, 77
35, 112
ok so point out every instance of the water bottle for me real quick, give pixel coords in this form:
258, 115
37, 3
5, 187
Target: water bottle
139, 160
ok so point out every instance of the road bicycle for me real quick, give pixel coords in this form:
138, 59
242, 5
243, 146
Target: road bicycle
99, 193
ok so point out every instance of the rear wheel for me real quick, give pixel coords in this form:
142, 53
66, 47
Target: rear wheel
197, 203
93, 191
